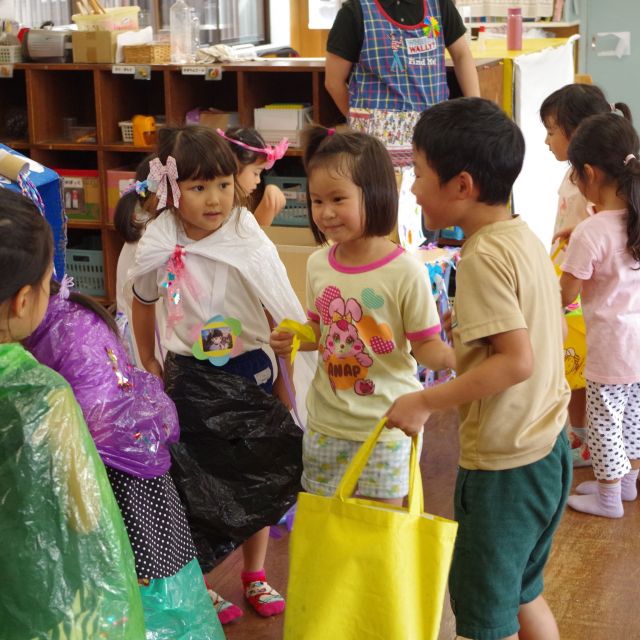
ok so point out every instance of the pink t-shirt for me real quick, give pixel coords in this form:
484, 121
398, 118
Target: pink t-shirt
598, 254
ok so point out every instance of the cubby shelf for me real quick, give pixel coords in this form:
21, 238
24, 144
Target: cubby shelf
96, 95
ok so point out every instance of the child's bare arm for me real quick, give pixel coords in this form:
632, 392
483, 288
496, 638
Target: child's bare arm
273, 201
144, 322
433, 353
571, 287
510, 363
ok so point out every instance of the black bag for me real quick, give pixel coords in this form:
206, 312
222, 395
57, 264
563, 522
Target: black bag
238, 463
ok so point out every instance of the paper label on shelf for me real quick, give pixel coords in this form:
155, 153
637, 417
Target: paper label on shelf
194, 71
124, 69
213, 73
143, 72
6, 71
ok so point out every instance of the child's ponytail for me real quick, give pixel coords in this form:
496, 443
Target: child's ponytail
609, 142
630, 187
312, 138
129, 225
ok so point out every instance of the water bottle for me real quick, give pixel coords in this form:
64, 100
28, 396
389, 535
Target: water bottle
195, 34
514, 28
181, 32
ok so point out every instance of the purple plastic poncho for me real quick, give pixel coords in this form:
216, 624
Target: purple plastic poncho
131, 419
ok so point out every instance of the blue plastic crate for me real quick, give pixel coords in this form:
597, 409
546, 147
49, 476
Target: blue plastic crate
87, 270
294, 213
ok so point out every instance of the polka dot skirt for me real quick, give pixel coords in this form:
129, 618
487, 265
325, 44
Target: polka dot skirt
155, 521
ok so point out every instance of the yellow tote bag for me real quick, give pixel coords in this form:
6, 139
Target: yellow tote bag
363, 570
575, 344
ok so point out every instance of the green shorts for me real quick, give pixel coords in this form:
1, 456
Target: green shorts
506, 524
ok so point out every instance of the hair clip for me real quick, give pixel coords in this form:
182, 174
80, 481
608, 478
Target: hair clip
330, 131
65, 285
628, 159
140, 187
161, 174
272, 153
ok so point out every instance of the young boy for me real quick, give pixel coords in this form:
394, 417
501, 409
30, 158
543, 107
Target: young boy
515, 464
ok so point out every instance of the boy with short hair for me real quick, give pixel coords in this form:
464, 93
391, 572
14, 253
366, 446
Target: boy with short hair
515, 463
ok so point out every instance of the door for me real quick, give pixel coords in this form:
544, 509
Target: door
619, 77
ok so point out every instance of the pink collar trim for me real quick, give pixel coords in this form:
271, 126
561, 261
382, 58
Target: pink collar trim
363, 268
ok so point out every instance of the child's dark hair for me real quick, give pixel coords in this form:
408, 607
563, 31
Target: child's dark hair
88, 303
476, 136
362, 159
571, 104
124, 220
200, 153
26, 244
609, 142
248, 136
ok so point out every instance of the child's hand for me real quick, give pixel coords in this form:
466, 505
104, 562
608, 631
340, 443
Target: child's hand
563, 235
153, 366
281, 343
274, 198
447, 325
409, 413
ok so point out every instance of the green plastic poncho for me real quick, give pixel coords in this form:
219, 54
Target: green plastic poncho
66, 568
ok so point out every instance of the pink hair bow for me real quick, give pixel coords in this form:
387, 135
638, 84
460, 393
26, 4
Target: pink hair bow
272, 153
159, 176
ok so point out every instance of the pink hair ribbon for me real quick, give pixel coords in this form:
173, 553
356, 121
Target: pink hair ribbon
273, 153
161, 177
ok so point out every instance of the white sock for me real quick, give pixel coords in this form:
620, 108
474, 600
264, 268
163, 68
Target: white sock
607, 502
629, 487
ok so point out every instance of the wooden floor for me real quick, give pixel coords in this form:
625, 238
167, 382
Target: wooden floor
592, 578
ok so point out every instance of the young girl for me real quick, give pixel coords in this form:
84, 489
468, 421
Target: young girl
370, 305
561, 113
602, 264
66, 564
254, 155
132, 422
133, 212
238, 461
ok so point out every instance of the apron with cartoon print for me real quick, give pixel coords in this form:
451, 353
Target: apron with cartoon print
400, 73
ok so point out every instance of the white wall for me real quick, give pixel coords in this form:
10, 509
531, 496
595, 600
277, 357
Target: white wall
7, 9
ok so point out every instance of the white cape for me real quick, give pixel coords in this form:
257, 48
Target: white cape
242, 244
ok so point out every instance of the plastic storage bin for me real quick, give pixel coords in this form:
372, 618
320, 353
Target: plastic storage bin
126, 129
294, 213
115, 19
10, 53
86, 267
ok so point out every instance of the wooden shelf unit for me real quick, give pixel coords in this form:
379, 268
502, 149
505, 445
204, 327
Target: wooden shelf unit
96, 96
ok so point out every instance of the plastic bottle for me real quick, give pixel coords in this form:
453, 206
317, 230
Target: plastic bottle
181, 29
482, 36
514, 28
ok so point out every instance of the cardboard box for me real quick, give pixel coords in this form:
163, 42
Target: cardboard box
94, 46
47, 182
81, 194
213, 118
118, 180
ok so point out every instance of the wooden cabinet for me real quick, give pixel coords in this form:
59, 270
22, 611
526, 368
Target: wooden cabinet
97, 98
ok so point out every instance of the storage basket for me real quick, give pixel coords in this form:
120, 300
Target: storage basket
126, 129
10, 53
150, 53
115, 19
294, 189
86, 267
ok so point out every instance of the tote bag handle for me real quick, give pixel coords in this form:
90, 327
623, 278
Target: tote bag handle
356, 467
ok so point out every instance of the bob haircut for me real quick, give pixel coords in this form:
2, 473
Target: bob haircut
362, 159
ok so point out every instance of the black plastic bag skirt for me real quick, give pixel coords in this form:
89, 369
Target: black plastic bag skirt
238, 464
